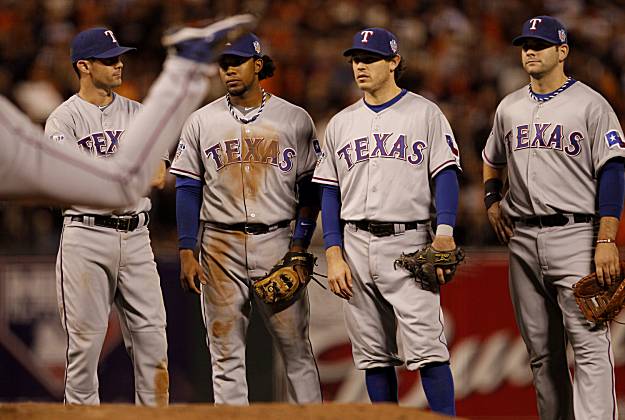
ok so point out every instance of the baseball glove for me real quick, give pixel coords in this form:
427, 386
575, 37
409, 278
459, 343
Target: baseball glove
423, 264
287, 279
600, 303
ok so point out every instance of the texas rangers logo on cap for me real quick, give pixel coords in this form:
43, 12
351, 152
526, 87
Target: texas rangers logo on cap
545, 28
374, 40
96, 43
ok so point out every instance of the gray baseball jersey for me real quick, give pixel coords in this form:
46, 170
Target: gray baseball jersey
249, 172
35, 168
100, 266
98, 132
253, 180
554, 150
383, 162
568, 137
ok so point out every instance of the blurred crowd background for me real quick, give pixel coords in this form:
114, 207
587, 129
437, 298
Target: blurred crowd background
458, 53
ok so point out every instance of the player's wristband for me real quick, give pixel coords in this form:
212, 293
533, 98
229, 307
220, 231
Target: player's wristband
606, 241
444, 230
304, 229
492, 191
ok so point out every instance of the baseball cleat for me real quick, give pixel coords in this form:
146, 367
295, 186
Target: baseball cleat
203, 43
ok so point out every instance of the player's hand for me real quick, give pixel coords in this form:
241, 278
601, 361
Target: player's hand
190, 272
443, 243
339, 274
500, 222
607, 263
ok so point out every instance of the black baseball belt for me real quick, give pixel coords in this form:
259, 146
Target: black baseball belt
558, 219
250, 228
120, 223
386, 228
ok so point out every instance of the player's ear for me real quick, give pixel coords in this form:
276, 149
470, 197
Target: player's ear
394, 62
563, 52
258, 65
82, 66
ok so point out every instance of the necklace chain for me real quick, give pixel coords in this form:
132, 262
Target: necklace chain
247, 120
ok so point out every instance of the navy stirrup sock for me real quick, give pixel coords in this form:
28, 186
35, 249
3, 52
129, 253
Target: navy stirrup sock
381, 384
438, 385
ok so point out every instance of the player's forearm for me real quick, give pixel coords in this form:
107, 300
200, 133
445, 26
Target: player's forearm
608, 227
331, 216
493, 185
492, 173
307, 213
446, 200
611, 188
188, 206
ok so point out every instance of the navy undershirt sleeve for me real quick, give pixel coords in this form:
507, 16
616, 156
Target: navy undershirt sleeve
331, 216
188, 205
611, 188
446, 197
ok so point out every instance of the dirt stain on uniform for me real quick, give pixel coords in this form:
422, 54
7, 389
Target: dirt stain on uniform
221, 328
221, 289
161, 384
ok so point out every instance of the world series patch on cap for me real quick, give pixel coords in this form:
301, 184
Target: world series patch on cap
375, 40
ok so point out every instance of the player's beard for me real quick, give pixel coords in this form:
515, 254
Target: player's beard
239, 90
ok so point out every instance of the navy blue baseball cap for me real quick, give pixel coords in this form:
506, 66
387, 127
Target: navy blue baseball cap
246, 46
96, 43
546, 28
375, 40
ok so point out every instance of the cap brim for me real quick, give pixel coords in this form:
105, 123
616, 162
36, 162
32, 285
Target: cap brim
239, 54
114, 52
519, 40
353, 51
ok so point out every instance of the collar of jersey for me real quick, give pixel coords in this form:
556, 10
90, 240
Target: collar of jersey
544, 97
101, 108
382, 107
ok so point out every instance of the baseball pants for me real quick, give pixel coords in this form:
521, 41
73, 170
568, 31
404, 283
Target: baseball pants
544, 264
385, 298
98, 267
230, 260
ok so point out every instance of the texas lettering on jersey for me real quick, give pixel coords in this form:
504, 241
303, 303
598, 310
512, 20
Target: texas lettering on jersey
251, 150
387, 145
102, 143
546, 136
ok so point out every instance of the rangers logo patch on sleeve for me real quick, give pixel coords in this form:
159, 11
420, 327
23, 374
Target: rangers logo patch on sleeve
613, 138
452, 145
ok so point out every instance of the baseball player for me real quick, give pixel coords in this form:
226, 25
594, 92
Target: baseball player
383, 159
104, 255
39, 170
244, 167
561, 147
